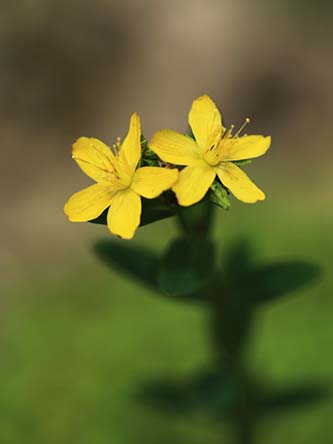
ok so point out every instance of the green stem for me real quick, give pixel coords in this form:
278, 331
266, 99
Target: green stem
230, 324
197, 220
230, 327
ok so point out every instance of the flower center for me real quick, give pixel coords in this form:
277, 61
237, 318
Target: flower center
214, 155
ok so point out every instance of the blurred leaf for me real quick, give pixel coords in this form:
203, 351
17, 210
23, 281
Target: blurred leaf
269, 282
187, 266
138, 263
152, 211
253, 283
294, 397
208, 392
241, 285
218, 195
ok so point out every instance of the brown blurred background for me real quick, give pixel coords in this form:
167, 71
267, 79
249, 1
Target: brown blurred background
80, 68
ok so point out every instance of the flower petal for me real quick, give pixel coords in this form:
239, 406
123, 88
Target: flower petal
205, 121
239, 183
130, 151
175, 148
150, 182
246, 147
88, 203
193, 183
124, 214
93, 157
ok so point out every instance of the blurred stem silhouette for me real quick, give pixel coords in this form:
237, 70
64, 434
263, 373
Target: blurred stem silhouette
229, 327
188, 271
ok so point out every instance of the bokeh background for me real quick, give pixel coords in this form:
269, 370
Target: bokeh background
76, 340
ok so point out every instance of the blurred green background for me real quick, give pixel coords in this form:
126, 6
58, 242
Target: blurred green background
77, 341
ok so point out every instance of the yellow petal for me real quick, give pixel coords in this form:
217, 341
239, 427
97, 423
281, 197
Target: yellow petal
205, 121
130, 151
193, 183
239, 183
93, 157
124, 214
88, 203
175, 148
246, 147
150, 182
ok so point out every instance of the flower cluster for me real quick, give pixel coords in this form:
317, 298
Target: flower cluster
188, 166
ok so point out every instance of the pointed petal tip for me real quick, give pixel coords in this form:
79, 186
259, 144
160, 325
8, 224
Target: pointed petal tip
130, 151
135, 119
203, 96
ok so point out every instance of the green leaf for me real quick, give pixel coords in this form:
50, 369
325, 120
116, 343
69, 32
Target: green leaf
241, 285
273, 281
208, 392
218, 195
137, 262
152, 210
252, 283
294, 397
187, 266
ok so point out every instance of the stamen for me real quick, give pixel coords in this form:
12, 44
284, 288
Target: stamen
229, 132
247, 121
116, 146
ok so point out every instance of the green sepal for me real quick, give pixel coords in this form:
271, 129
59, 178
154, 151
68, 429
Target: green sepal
149, 158
242, 162
218, 195
186, 267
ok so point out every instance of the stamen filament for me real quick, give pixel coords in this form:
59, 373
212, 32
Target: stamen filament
247, 121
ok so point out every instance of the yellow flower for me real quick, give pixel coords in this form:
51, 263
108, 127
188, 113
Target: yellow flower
213, 152
119, 183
